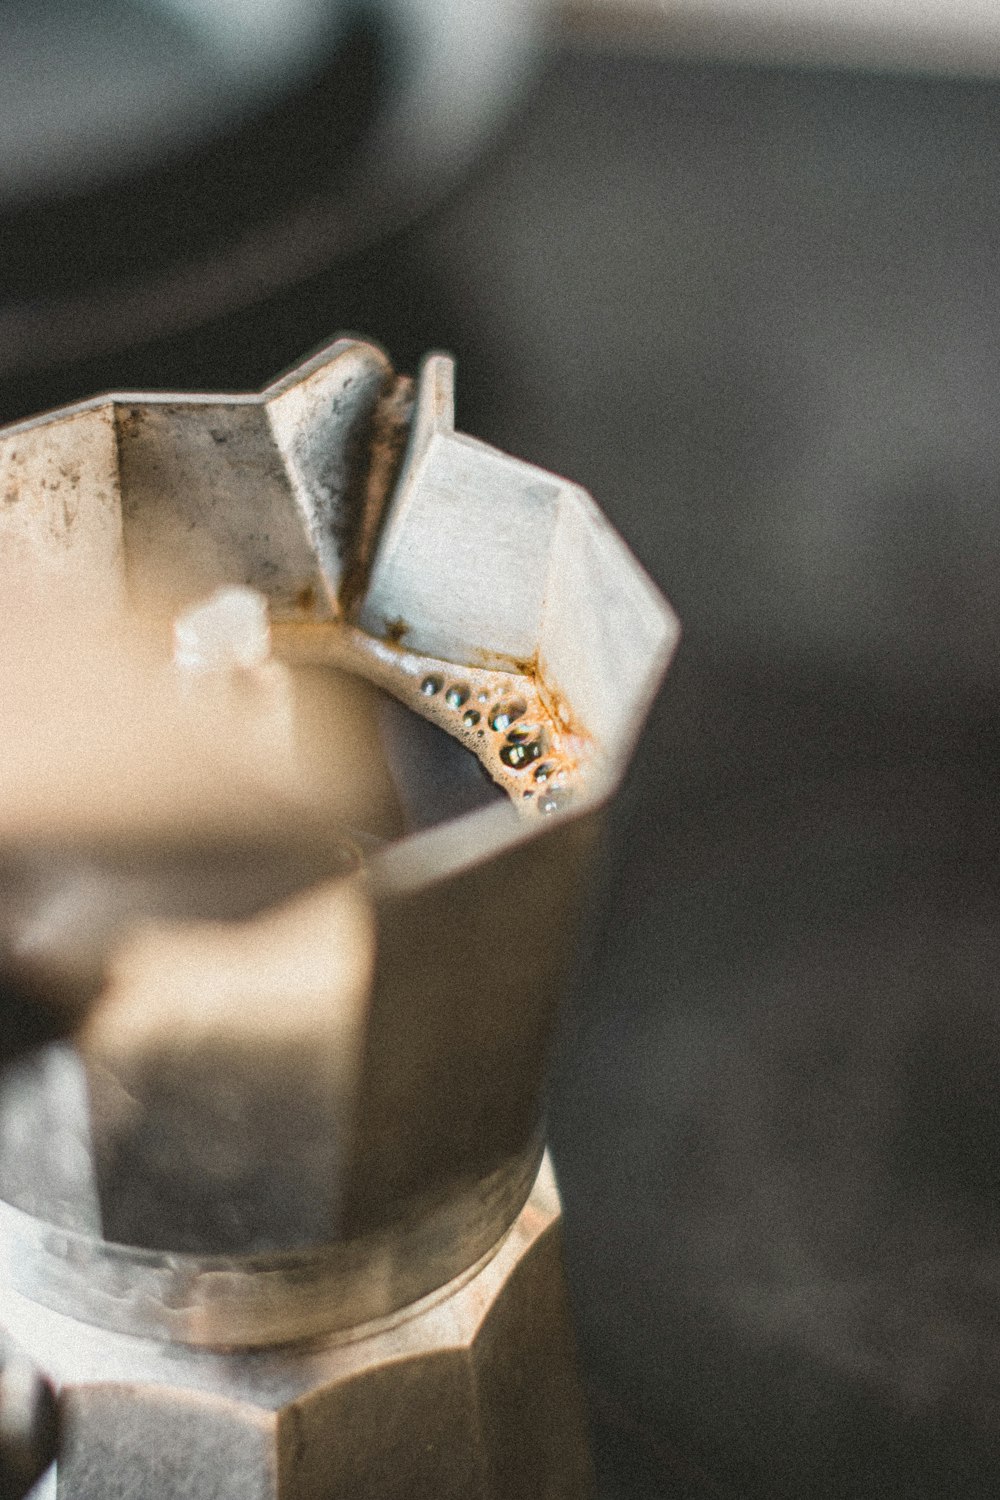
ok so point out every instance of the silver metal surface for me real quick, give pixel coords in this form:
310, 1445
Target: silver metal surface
28, 1422
254, 1301
471, 1395
282, 1125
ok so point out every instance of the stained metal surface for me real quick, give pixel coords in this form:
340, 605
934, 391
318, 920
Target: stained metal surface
278, 1126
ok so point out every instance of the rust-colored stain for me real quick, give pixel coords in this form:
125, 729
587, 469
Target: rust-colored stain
129, 420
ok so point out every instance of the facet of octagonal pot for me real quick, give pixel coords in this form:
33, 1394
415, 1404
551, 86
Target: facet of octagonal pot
391, 1101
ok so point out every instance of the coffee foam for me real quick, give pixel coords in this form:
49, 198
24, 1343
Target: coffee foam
524, 737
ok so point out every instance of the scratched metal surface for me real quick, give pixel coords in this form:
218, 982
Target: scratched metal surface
756, 313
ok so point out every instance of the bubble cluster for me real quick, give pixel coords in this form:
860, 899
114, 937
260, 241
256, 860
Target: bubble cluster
520, 740
524, 739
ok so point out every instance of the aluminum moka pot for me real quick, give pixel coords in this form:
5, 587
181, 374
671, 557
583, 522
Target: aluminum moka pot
279, 1222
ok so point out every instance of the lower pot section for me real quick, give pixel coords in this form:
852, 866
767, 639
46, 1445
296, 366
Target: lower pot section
469, 1394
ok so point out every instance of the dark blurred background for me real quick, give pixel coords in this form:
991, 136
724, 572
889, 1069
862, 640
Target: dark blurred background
754, 308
